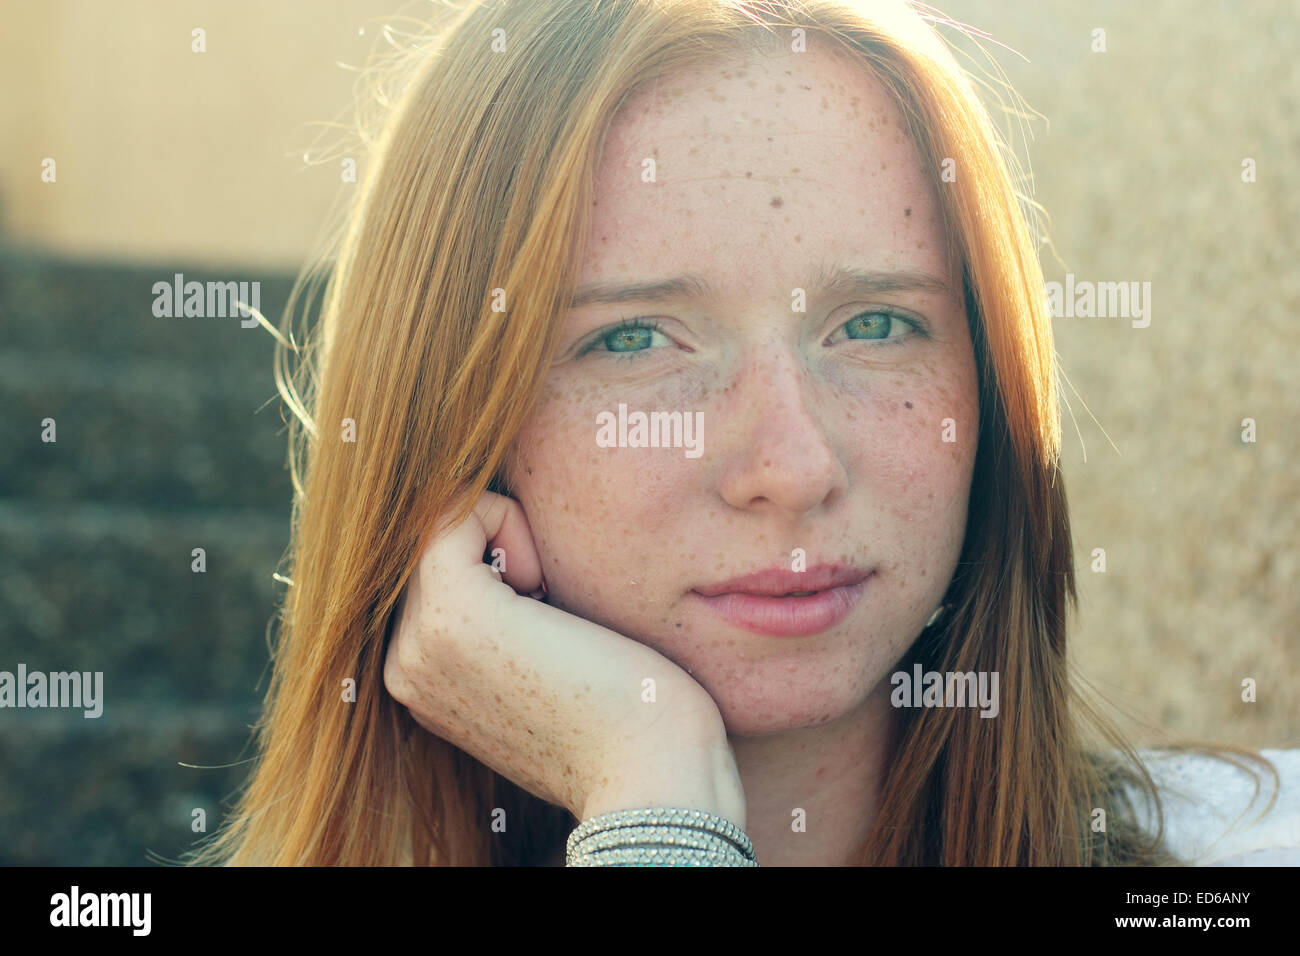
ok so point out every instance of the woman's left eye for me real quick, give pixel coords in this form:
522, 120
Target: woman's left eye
874, 325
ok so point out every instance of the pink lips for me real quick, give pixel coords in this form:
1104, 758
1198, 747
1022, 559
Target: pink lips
762, 603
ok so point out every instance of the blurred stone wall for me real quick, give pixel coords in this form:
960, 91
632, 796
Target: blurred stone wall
170, 434
1139, 163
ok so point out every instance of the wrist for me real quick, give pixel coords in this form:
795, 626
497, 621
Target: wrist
659, 836
695, 772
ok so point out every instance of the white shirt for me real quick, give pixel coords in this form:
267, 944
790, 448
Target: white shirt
1210, 817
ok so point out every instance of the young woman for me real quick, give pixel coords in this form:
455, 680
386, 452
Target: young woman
683, 398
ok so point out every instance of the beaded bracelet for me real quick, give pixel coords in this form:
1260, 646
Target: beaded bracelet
661, 836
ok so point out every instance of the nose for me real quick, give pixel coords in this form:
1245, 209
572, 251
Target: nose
778, 457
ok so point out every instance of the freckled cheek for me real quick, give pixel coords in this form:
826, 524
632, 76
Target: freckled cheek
600, 516
940, 446
903, 464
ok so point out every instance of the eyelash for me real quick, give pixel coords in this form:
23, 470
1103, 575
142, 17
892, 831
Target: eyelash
915, 327
625, 325
653, 325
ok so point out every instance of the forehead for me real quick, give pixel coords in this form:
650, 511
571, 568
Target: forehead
758, 169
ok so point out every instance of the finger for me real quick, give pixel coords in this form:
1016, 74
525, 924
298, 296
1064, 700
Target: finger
510, 541
454, 550
497, 521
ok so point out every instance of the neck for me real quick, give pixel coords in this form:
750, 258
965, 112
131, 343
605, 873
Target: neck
832, 772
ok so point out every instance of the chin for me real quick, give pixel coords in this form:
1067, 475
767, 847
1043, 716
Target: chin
746, 721
773, 707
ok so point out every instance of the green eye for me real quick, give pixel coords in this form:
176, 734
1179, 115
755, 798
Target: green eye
628, 338
869, 325
876, 324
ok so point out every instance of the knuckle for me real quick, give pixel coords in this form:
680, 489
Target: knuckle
411, 657
423, 651
396, 681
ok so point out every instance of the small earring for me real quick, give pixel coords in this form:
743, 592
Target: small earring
938, 613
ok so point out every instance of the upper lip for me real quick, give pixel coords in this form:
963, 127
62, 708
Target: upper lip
775, 582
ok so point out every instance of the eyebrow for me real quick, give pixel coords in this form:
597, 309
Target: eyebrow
827, 280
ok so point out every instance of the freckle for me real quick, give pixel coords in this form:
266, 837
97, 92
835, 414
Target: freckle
776, 202
923, 572
907, 211
798, 239
748, 174
908, 404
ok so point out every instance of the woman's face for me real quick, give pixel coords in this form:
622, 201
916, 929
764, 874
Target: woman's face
824, 414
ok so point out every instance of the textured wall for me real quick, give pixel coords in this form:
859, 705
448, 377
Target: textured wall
1139, 164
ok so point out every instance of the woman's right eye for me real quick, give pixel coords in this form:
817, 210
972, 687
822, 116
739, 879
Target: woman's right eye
627, 338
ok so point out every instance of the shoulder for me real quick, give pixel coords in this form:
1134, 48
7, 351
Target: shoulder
1217, 813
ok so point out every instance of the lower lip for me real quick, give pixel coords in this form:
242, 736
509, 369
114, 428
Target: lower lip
787, 616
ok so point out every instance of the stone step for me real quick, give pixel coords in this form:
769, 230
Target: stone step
115, 793
106, 311
95, 588
145, 435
